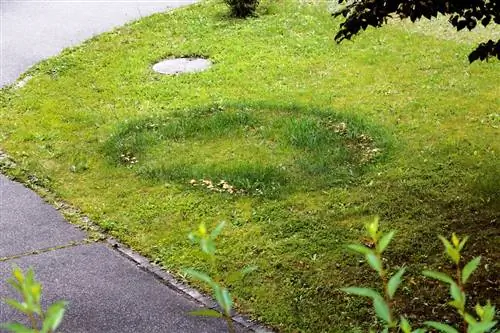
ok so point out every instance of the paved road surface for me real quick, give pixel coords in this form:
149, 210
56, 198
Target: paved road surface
32, 30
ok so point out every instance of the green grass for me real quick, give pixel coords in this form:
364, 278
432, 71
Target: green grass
292, 119
260, 149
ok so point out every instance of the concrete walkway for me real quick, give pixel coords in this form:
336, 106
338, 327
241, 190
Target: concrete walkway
106, 290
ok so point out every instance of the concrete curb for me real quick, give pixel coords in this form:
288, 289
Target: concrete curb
182, 288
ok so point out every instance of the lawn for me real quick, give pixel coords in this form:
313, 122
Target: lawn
292, 139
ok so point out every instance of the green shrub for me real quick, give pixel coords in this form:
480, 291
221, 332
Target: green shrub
31, 294
242, 8
206, 240
483, 320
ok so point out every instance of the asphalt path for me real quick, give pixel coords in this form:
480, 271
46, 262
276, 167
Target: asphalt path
32, 30
108, 288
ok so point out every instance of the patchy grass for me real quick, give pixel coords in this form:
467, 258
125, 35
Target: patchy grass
103, 131
258, 150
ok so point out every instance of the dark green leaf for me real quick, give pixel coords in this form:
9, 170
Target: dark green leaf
30, 276
17, 273
470, 268
367, 292
207, 246
382, 309
450, 250
486, 20
385, 240
359, 249
462, 243
479, 310
445, 242
15, 304
17, 328
473, 56
228, 301
394, 282
372, 228
199, 276
461, 24
469, 318
441, 327
456, 304
375, 263
481, 327
35, 292
457, 294
54, 316
439, 276
454, 255
488, 312
217, 230
404, 325
218, 295
206, 313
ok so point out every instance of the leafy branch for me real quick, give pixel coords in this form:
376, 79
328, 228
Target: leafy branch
206, 240
31, 293
481, 323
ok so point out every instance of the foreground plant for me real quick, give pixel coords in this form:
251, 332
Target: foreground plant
382, 303
31, 293
221, 294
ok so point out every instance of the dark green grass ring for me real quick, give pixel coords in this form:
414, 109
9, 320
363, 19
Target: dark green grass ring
254, 148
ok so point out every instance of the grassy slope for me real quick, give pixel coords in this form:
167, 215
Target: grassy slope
440, 174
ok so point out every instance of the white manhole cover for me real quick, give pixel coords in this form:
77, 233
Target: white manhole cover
182, 65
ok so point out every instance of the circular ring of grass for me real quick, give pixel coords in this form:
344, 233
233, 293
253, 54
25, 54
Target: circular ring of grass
248, 148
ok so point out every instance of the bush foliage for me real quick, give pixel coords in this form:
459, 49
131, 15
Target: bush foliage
30, 291
480, 322
462, 14
242, 8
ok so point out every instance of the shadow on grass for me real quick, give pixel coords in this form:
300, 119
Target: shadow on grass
259, 148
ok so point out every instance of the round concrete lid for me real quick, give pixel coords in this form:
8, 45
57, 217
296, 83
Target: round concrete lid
182, 65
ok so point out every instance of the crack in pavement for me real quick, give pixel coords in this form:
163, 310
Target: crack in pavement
48, 249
